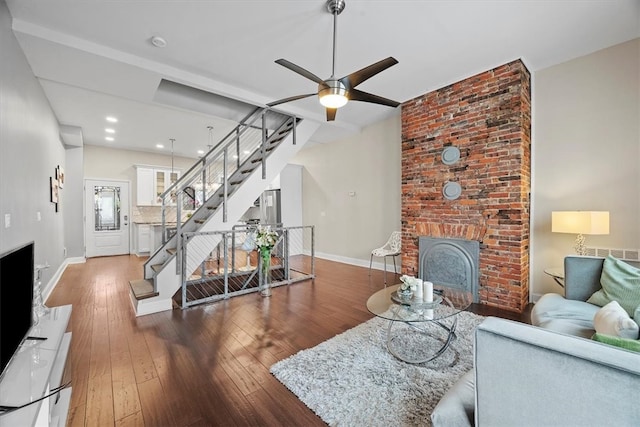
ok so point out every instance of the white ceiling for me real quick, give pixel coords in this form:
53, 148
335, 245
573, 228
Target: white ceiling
94, 57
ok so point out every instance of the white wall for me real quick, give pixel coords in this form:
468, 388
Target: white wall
586, 152
30, 150
111, 163
368, 164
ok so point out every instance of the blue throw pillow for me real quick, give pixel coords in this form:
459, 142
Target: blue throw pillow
620, 282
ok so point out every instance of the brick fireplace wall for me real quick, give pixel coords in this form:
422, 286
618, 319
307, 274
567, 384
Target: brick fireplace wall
488, 118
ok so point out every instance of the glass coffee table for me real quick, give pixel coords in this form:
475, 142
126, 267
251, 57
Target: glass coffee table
419, 331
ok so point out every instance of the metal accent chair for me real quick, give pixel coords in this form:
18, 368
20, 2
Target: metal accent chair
390, 249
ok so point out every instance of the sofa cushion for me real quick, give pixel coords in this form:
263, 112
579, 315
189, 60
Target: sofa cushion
620, 282
626, 343
456, 408
613, 320
556, 313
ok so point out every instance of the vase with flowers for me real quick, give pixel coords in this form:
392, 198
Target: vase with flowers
408, 286
265, 240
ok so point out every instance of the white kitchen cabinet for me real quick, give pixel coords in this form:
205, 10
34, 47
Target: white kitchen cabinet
151, 182
142, 238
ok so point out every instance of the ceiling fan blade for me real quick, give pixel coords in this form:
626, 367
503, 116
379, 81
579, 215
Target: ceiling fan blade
291, 98
297, 69
331, 114
358, 95
354, 79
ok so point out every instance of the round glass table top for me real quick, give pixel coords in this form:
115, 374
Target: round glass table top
386, 303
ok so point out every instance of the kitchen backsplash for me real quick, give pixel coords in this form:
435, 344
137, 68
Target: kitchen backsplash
153, 214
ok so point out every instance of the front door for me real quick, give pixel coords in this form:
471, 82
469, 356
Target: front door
107, 218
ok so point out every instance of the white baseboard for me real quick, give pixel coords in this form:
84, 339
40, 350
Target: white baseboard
359, 262
53, 282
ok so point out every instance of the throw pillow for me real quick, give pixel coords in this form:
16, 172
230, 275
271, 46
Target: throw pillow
613, 320
627, 344
620, 282
636, 315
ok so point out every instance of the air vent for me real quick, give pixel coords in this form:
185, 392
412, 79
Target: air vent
624, 254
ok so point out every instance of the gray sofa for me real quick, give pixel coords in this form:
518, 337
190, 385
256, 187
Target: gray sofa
571, 314
549, 374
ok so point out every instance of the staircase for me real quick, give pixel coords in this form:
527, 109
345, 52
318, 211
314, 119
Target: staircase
213, 195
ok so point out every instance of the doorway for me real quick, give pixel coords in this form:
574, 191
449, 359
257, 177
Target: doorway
106, 218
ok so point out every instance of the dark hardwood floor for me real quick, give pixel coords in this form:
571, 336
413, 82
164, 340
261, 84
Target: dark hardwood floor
207, 365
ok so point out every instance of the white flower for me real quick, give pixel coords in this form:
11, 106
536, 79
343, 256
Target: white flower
265, 237
409, 282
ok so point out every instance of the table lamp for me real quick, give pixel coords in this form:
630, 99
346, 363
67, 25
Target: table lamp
580, 223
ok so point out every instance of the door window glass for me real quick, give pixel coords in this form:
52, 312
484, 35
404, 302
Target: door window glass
107, 208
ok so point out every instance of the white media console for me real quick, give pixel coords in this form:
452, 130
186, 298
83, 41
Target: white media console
35, 370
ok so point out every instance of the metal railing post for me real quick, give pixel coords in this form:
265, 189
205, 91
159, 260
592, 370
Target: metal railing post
313, 254
179, 256
204, 181
237, 148
183, 261
264, 145
293, 129
224, 183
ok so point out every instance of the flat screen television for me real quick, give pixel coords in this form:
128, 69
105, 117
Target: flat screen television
16, 300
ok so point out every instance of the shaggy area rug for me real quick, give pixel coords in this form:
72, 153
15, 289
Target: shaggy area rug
352, 380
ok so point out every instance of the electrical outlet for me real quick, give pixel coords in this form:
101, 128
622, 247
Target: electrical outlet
7, 220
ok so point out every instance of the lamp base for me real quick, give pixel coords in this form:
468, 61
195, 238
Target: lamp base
579, 246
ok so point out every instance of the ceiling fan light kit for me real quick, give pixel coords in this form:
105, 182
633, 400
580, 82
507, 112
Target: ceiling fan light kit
334, 93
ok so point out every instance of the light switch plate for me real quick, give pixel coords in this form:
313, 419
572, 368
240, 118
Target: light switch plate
7, 220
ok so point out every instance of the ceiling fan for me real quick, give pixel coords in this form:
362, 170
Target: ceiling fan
334, 92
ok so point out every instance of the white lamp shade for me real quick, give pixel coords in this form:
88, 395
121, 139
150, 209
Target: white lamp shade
580, 222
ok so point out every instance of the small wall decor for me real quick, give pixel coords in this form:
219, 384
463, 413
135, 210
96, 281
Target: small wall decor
451, 190
60, 176
55, 184
450, 155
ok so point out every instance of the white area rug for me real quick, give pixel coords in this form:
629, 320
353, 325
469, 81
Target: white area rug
352, 380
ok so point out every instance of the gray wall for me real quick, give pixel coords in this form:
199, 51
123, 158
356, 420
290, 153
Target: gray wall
73, 202
30, 150
586, 150
351, 192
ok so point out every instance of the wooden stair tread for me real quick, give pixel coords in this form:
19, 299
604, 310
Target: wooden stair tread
156, 267
142, 289
172, 251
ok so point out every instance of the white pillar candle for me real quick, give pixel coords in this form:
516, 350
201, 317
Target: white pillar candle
419, 293
427, 290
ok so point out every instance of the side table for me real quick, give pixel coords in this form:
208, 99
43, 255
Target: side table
557, 273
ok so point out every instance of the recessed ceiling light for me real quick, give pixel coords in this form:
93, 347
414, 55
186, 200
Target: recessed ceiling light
159, 146
108, 138
158, 41
200, 151
112, 119
109, 130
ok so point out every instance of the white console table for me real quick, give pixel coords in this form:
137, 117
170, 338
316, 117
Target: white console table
36, 369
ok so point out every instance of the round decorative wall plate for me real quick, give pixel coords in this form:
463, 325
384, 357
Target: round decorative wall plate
451, 190
450, 155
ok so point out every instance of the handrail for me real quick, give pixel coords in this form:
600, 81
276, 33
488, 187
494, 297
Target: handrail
204, 157
294, 248
214, 154
226, 160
